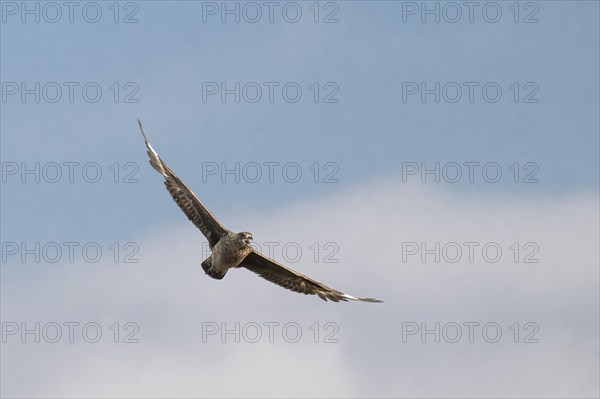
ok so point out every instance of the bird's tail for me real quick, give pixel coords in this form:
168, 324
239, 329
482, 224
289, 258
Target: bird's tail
207, 266
206, 263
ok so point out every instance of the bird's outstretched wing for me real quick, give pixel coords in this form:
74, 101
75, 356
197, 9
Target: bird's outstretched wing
292, 280
196, 212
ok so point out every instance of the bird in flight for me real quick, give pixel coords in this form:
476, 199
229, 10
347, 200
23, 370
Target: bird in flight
234, 250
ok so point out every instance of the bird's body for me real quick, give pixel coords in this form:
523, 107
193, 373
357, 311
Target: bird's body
228, 253
232, 250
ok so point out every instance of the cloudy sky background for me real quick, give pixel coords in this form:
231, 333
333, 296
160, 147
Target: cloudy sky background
370, 136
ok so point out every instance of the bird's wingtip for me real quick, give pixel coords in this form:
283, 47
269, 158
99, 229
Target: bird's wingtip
353, 298
373, 300
142, 130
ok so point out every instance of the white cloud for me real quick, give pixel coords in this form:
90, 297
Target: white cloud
169, 297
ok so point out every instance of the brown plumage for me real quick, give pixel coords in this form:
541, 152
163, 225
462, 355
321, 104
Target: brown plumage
232, 250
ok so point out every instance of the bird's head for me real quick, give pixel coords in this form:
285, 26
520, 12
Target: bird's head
246, 237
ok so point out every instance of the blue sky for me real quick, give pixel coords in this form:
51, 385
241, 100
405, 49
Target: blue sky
362, 133
369, 133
